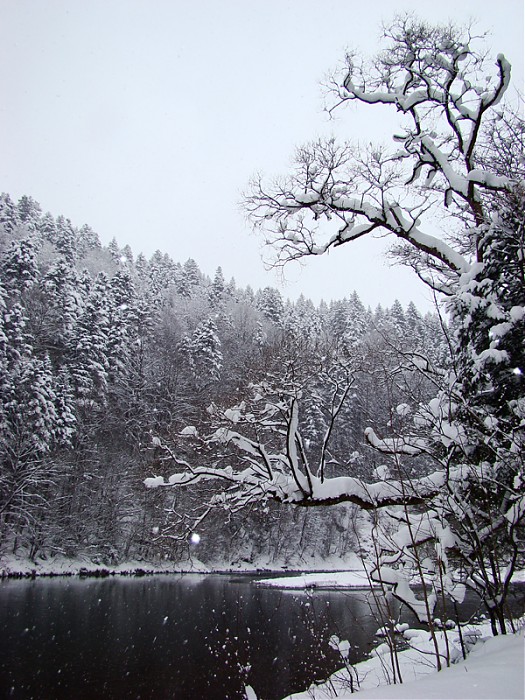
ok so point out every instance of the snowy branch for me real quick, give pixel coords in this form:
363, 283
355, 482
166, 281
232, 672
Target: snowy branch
435, 78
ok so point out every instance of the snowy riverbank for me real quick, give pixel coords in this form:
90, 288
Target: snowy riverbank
17, 567
21, 567
327, 573
494, 669
335, 579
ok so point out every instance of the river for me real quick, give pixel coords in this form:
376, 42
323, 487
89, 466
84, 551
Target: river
184, 637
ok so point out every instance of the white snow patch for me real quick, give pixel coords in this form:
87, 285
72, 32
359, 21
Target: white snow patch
517, 313
403, 409
190, 430
494, 669
336, 579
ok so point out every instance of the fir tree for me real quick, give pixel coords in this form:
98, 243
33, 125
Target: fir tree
18, 265
29, 213
9, 219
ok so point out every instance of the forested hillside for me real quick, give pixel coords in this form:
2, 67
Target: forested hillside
105, 355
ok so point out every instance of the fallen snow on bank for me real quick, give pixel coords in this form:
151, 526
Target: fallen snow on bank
336, 579
339, 579
494, 670
17, 565
63, 566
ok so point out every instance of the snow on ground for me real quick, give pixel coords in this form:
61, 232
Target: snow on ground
63, 566
495, 669
336, 579
15, 565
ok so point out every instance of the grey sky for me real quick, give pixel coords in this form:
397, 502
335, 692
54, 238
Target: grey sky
146, 119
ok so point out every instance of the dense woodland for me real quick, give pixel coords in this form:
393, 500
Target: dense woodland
105, 355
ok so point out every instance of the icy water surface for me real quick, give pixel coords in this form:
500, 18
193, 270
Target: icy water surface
182, 637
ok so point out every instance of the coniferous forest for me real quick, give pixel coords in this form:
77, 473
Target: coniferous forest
105, 355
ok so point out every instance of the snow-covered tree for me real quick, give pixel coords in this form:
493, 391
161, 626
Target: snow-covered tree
66, 239
62, 301
47, 228
270, 302
203, 351
449, 99
87, 239
18, 265
9, 218
192, 272
217, 289
29, 212
90, 365
36, 416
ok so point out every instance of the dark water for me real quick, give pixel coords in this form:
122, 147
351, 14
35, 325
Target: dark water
187, 637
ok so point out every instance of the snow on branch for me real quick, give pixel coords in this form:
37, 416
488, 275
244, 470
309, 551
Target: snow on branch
406, 445
445, 91
283, 473
283, 487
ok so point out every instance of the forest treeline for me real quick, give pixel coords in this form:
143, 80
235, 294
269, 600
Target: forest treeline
104, 353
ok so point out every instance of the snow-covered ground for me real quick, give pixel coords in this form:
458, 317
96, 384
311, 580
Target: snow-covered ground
338, 579
495, 669
335, 579
62, 566
14, 565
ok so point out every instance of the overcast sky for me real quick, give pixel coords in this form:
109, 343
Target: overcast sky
146, 118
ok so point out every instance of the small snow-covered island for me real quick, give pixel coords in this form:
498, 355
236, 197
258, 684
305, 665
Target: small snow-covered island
211, 491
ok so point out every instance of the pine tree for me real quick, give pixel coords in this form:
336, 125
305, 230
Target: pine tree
204, 351
90, 364
356, 323
414, 323
87, 240
192, 272
114, 250
181, 282
66, 239
122, 331
397, 319
339, 319
490, 318
9, 219
35, 416
18, 265
63, 302
217, 289
29, 213
141, 268
47, 228
269, 301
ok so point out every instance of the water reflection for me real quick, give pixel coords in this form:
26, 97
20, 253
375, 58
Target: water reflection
172, 637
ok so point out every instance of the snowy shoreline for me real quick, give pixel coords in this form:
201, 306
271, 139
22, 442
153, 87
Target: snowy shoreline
12, 567
327, 575
16, 566
334, 579
494, 669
